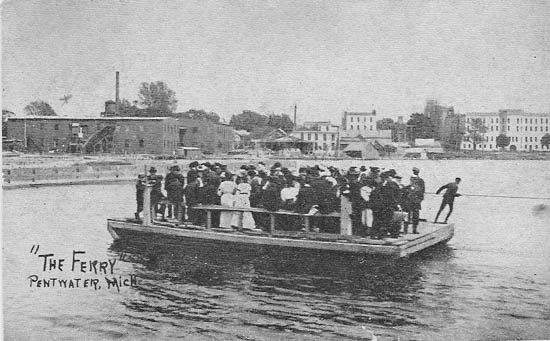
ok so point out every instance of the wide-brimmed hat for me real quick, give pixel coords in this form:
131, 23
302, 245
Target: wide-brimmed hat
363, 168
175, 168
193, 164
353, 171
416, 170
201, 168
152, 170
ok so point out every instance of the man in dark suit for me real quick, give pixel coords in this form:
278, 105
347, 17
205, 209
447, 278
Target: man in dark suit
415, 196
385, 198
448, 197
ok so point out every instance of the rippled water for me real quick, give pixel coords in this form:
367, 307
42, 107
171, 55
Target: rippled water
492, 281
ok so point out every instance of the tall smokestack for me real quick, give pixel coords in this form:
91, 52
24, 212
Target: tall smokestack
117, 99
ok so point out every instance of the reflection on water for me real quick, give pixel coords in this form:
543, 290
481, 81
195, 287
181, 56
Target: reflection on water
283, 290
491, 282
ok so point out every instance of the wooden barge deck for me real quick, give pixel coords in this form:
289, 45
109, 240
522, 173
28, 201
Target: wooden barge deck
429, 234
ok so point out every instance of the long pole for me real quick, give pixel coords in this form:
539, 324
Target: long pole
25, 131
295, 109
117, 99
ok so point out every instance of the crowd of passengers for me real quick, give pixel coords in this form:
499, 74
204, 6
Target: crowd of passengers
376, 197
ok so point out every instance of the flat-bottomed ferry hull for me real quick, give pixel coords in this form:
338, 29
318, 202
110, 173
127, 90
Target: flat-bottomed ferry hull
406, 245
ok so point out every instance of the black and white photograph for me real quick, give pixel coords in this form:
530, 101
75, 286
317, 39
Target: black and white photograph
275, 170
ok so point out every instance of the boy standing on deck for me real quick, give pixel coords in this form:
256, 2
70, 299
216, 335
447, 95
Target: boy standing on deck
448, 197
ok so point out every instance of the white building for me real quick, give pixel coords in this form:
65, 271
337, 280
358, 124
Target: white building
324, 135
524, 129
358, 123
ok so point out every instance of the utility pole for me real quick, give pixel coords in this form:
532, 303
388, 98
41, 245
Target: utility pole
117, 99
295, 108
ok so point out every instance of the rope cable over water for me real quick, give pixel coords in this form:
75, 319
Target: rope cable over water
497, 196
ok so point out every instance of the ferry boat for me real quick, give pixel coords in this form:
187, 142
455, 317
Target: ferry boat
430, 234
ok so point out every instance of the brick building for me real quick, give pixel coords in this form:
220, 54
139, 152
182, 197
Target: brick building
141, 135
210, 137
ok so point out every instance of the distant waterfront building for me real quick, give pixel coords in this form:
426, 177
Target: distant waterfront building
141, 135
439, 114
361, 127
323, 135
525, 130
358, 123
209, 136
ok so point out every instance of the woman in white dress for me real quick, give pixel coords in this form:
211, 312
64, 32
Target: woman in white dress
227, 191
242, 199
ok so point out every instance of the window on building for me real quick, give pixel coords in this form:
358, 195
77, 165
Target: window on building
530, 121
490, 146
517, 128
535, 121
365, 127
55, 142
371, 120
536, 146
316, 136
351, 119
508, 128
497, 128
309, 136
496, 120
491, 120
56, 127
332, 136
535, 128
141, 143
324, 137
301, 136
491, 128
370, 127
364, 119
531, 139
535, 139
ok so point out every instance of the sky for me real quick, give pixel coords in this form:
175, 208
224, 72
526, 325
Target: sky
324, 56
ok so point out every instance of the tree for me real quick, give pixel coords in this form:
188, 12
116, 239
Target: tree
422, 127
6, 114
282, 121
248, 120
503, 141
385, 124
545, 140
157, 97
39, 108
475, 131
200, 115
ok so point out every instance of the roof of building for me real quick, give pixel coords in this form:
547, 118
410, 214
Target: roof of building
114, 118
372, 113
508, 112
316, 122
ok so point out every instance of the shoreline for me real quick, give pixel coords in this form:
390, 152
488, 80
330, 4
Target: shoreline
57, 170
